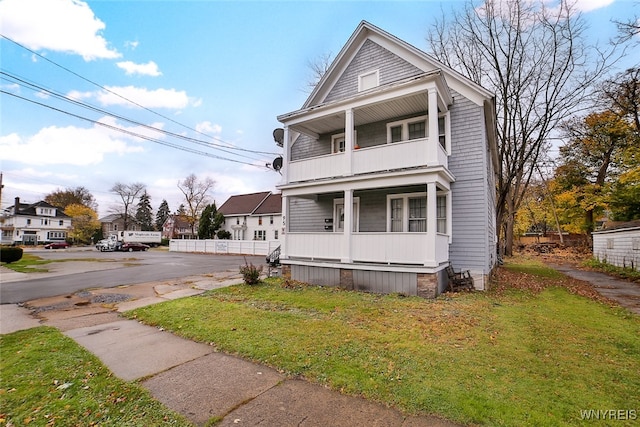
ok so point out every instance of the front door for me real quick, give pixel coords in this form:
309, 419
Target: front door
338, 214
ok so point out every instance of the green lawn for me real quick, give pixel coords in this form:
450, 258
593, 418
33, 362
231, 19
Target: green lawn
518, 355
46, 379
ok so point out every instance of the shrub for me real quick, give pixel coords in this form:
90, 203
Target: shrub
250, 273
10, 254
224, 234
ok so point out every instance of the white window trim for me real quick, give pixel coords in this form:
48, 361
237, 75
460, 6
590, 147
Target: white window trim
405, 210
362, 76
336, 221
335, 148
405, 127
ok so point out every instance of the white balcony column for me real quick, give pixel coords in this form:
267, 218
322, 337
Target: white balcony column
432, 225
348, 140
432, 156
285, 157
348, 225
284, 230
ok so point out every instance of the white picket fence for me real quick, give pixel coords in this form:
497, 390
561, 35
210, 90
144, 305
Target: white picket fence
215, 246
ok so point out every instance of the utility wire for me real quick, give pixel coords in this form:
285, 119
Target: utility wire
118, 95
137, 135
35, 87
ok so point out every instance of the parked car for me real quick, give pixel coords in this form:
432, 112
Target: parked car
133, 246
57, 245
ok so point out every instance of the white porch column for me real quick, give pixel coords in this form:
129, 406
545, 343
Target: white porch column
432, 225
432, 153
348, 225
284, 233
285, 157
348, 140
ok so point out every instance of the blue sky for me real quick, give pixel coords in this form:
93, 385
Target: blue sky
219, 72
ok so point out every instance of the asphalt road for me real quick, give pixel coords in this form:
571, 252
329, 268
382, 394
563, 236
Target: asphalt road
132, 268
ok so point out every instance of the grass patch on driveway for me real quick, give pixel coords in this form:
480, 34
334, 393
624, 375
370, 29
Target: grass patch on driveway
47, 379
518, 355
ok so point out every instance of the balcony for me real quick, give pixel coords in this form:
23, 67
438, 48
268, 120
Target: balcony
380, 248
380, 158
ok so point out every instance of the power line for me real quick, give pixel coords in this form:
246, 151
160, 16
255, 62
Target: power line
122, 97
35, 87
131, 133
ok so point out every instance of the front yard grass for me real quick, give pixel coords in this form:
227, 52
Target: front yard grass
47, 379
533, 351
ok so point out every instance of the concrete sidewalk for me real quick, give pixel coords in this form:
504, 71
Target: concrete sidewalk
191, 378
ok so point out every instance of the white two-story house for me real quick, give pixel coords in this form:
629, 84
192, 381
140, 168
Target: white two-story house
388, 173
254, 216
32, 224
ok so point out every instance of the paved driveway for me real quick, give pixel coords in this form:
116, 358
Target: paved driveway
77, 269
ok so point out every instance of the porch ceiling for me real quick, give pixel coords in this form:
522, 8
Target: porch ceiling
387, 110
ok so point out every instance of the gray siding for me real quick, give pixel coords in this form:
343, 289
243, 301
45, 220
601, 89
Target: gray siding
472, 240
370, 57
385, 282
309, 214
322, 276
305, 147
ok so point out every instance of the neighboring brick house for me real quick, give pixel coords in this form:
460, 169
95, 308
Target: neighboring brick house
36, 223
389, 172
255, 216
177, 227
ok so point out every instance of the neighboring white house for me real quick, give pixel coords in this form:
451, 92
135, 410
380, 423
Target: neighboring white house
255, 216
31, 224
618, 244
388, 173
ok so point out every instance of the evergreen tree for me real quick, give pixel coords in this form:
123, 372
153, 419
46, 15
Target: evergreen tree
144, 213
162, 215
210, 221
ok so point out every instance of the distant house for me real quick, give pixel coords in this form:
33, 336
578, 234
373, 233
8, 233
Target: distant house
388, 173
115, 222
255, 216
177, 227
618, 243
31, 224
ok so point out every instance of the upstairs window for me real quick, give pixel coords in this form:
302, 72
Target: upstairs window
338, 143
408, 129
368, 80
259, 220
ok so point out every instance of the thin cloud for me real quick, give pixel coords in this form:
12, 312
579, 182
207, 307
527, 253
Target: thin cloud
69, 145
209, 128
591, 5
148, 69
158, 98
58, 25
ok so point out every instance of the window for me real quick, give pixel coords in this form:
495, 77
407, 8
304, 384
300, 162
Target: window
28, 221
407, 212
368, 80
418, 214
442, 132
238, 221
275, 236
405, 130
635, 244
337, 143
417, 129
609, 243
396, 215
259, 235
259, 220
271, 220
441, 214
61, 222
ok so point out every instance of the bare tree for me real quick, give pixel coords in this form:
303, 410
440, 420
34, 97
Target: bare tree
195, 194
538, 63
318, 67
128, 194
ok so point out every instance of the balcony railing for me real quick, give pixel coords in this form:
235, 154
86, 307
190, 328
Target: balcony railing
379, 158
382, 248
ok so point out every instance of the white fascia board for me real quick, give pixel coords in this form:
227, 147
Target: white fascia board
439, 175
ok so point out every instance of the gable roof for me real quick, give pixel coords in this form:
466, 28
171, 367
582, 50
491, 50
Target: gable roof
243, 204
30, 209
270, 206
409, 53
